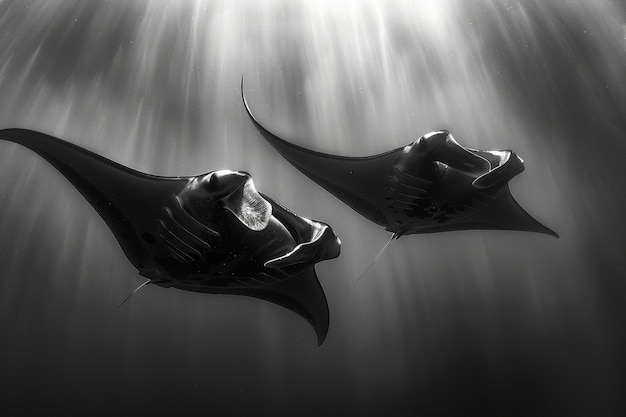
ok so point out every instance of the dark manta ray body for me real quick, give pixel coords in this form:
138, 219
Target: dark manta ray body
431, 185
212, 233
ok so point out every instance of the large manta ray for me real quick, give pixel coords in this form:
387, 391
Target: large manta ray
431, 185
212, 233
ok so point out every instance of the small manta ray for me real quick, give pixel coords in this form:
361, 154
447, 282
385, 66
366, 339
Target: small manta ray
431, 185
212, 233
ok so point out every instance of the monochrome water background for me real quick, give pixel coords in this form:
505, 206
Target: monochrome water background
459, 323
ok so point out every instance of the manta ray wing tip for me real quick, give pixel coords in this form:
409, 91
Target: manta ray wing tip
546, 231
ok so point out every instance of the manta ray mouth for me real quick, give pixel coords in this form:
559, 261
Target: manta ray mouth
255, 211
235, 191
296, 240
248, 206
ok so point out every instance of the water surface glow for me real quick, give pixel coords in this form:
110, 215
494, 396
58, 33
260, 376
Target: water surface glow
494, 323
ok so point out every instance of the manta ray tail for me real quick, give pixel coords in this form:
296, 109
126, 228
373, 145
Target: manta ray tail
134, 292
394, 236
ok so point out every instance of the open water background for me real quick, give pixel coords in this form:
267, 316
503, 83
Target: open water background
461, 323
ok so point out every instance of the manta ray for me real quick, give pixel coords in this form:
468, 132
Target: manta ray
211, 233
431, 185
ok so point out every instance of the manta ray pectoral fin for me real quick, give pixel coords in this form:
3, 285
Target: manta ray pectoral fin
300, 293
504, 213
355, 181
126, 199
303, 295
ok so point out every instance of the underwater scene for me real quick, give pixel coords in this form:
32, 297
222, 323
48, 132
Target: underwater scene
313, 208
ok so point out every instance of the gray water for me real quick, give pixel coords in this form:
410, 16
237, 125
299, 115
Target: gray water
459, 323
